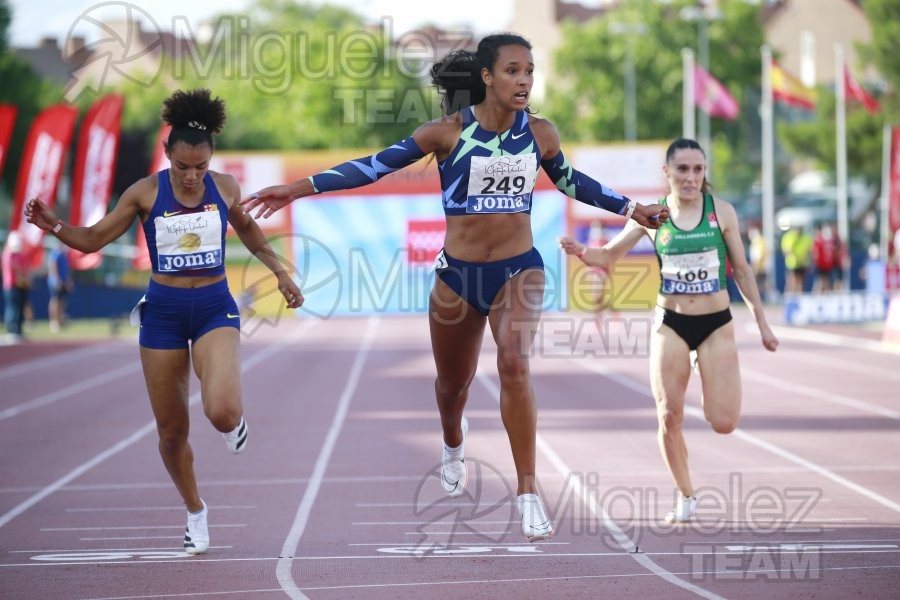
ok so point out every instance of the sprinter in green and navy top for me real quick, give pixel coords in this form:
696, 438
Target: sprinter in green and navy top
692, 261
693, 314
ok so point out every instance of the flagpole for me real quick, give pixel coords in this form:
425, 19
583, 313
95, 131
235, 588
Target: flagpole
841, 132
885, 195
689, 128
768, 166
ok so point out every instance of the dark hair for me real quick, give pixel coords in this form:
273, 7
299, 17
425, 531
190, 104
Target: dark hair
194, 116
688, 144
458, 75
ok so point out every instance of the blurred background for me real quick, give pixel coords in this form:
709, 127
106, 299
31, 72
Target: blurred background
795, 102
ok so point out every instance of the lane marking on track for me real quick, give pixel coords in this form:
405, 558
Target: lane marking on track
48, 362
749, 438
812, 392
150, 427
621, 538
831, 339
68, 391
155, 508
289, 548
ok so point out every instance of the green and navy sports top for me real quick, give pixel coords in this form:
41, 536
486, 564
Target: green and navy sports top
692, 261
187, 241
489, 172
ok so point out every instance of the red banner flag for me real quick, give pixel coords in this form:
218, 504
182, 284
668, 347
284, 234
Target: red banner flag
7, 122
712, 97
95, 168
141, 260
854, 91
787, 88
894, 184
40, 170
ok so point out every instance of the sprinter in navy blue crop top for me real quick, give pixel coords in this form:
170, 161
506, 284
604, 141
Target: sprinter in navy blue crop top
189, 319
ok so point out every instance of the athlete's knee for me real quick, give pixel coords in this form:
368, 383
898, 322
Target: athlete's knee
451, 388
224, 416
670, 420
512, 365
172, 438
723, 423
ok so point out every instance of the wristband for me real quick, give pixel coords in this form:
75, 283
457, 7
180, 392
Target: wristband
630, 210
58, 227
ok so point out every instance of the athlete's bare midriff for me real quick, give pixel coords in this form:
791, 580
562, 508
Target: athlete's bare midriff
694, 304
487, 238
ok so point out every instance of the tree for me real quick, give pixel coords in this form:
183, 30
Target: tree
293, 76
884, 17
588, 101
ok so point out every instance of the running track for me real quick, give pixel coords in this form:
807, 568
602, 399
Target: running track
337, 496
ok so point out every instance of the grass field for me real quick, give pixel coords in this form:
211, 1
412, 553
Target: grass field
80, 329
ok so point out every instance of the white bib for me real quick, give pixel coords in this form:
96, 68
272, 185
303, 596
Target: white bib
691, 273
501, 184
188, 242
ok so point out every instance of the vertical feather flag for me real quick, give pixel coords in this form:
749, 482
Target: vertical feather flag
712, 97
788, 89
40, 171
7, 122
95, 168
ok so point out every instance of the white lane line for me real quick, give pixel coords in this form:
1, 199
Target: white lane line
130, 527
154, 508
150, 427
832, 339
48, 362
69, 390
574, 482
289, 549
818, 394
750, 438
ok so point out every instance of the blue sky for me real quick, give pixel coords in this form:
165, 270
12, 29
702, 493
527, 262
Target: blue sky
35, 19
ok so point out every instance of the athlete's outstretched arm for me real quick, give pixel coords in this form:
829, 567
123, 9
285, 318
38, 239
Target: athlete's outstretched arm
90, 239
583, 188
353, 173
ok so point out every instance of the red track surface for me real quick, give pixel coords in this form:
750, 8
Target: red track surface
336, 496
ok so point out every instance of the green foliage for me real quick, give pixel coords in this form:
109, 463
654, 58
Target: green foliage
30, 94
587, 99
884, 17
293, 76
5, 21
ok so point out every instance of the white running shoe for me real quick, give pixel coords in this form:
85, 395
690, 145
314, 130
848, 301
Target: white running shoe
535, 524
196, 534
453, 467
695, 362
685, 508
236, 440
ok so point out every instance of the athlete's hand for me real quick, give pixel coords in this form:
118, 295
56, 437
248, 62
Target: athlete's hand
291, 292
651, 215
572, 247
268, 200
769, 341
39, 214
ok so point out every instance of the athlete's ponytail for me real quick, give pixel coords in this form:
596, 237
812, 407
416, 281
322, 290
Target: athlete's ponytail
194, 116
458, 75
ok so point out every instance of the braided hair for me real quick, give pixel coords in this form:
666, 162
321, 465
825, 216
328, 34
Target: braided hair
195, 116
458, 76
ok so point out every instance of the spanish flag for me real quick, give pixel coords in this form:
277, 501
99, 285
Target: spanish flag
788, 89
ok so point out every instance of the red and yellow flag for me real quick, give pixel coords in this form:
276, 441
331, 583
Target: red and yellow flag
788, 89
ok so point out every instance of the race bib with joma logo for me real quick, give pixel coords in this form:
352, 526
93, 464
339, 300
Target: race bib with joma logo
188, 242
501, 184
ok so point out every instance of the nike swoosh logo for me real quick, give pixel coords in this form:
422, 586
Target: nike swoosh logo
515, 137
514, 273
231, 316
172, 214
